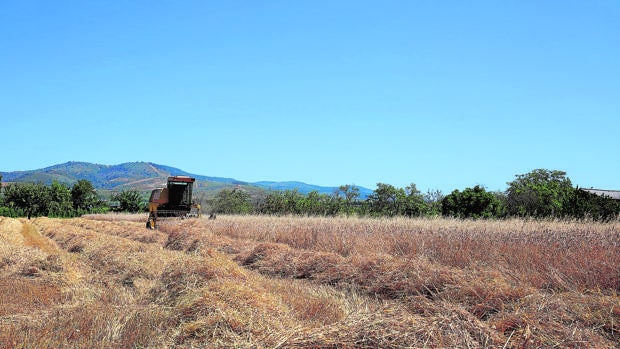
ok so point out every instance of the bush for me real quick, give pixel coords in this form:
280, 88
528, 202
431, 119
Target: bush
472, 203
582, 204
233, 201
130, 201
11, 212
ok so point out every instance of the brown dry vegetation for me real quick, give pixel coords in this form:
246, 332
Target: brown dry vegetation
267, 282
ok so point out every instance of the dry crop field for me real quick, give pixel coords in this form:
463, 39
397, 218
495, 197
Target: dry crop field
104, 281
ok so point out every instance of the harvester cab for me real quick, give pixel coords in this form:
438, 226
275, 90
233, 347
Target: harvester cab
173, 201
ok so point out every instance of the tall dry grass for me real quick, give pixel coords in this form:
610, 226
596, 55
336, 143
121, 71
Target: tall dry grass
545, 254
518, 277
266, 282
116, 289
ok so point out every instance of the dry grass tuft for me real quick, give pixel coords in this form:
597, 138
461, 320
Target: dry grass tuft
178, 279
133, 230
393, 326
24, 295
378, 275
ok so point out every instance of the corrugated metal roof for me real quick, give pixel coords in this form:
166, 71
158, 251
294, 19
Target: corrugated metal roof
614, 194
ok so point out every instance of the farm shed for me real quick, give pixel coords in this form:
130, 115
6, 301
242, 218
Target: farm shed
614, 194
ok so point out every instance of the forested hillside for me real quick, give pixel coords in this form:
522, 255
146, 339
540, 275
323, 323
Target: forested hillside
144, 176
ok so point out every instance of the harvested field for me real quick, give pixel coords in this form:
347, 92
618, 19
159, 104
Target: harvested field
288, 282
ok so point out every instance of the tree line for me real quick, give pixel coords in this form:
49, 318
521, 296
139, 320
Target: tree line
540, 193
60, 200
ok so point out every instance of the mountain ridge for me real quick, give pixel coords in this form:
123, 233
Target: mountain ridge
145, 176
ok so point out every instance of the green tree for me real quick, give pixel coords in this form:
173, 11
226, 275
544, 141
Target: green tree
386, 200
129, 200
273, 203
232, 201
84, 196
539, 193
473, 202
582, 204
293, 202
317, 204
331, 205
433, 199
414, 204
296, 203
60, 203
350, 194
30, 198
311, 204
283, 202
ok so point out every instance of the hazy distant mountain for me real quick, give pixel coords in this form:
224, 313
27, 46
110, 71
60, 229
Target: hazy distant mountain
144, 176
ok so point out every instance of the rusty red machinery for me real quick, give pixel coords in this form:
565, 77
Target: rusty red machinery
173, 201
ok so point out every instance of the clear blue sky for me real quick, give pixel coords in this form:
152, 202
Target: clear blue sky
444, 94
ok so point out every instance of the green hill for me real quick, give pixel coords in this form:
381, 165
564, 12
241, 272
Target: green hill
142, 176
145, 176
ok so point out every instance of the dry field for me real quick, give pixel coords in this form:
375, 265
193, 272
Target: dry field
104, 281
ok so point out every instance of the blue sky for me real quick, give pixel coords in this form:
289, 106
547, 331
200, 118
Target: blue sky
443, 94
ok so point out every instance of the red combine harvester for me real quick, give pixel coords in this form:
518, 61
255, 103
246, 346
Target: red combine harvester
173, 201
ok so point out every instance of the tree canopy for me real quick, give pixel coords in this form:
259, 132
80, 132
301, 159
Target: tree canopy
84, 196
473, 202
540, 193
129, 200
55, 200
232, 201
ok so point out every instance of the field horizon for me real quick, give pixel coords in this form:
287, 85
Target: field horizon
306, 282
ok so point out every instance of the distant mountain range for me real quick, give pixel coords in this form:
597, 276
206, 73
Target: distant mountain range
144, 176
